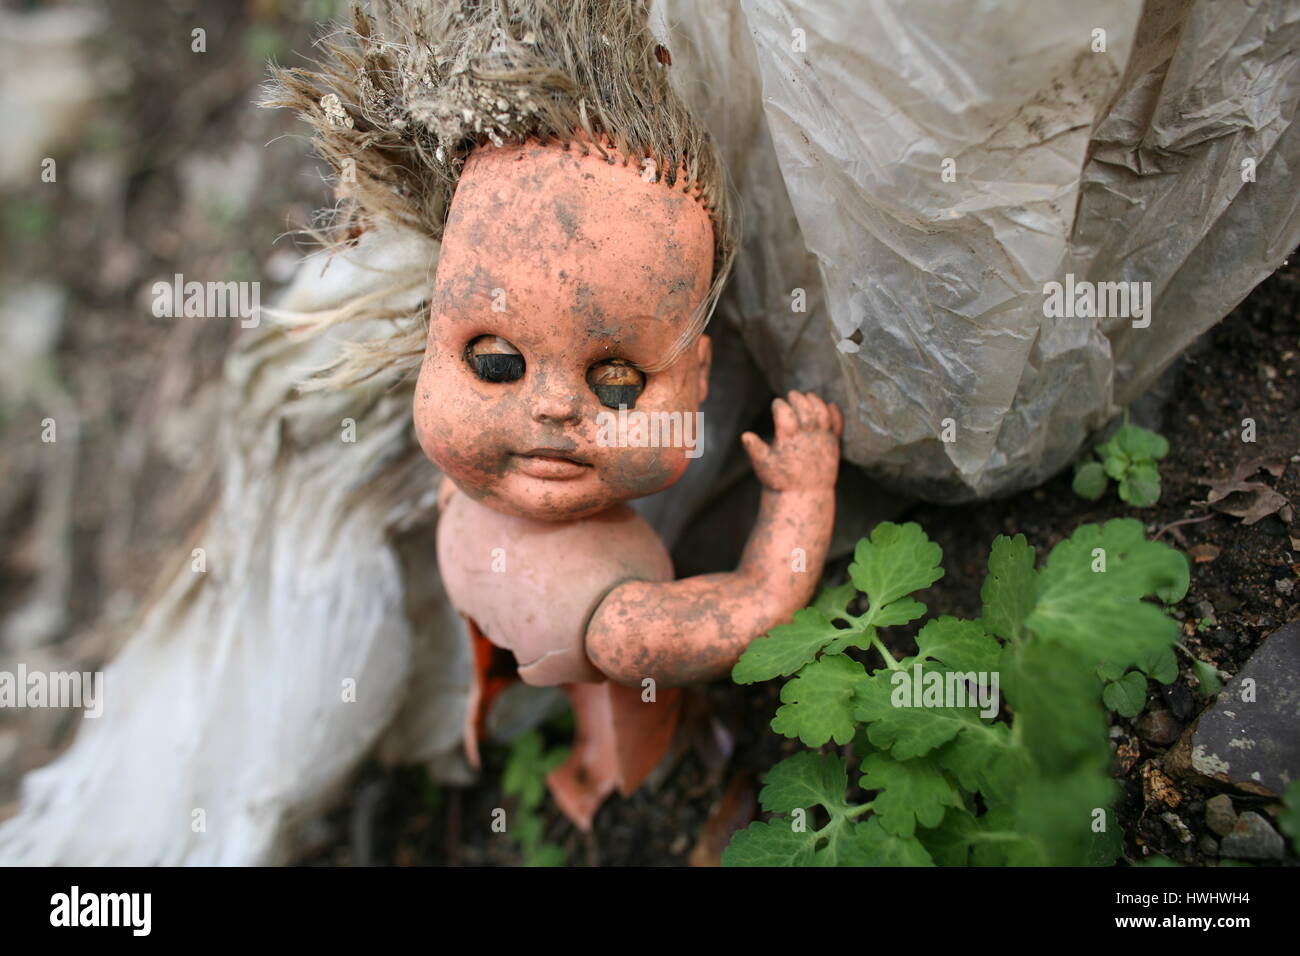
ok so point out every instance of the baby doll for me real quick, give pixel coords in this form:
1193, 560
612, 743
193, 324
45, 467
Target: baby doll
585, 233
563, 277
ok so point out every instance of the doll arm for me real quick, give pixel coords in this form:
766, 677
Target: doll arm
694, 630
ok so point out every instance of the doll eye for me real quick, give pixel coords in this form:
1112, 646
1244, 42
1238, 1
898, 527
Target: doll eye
616, 382
493, 359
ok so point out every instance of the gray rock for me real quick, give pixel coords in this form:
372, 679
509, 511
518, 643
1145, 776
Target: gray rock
1219, 815
1248, 737
1208, 845
1253, 839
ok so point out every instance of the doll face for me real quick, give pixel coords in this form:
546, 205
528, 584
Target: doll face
560, 277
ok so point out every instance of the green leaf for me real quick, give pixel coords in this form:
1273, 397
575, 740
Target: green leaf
878, 847
985, 758
949, 843
786, 648
1141, 486
1053, 694
547, 854
1090, 480
1108, 671
894, 562
906, 731
817, 706
770, 844
1090, 590
1113, 460
1289, 818
962, 645
1138, 444
1208, 676
916, 791
1011, 588
806, 780
1126, 696
1160, 665
834, 602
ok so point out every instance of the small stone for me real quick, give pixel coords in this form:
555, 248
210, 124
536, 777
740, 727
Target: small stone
1208, 845
1219, 815
1205, 611
1284, 586
1179, 828
1158, 727
1222, 636
1253, 839
1179, 700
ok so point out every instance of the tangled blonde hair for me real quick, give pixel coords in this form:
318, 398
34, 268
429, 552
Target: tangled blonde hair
402, 95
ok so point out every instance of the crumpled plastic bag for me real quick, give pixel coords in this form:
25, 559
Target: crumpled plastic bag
1122, 156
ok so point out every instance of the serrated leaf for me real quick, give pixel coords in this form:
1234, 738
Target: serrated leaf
1090, 481
1090, 590
804, 781
895, 561
785, 648
817, 706
1011, 588
1146, 567
878, 847
773, 843
1126, 696
912, 792
985, 758
961, 645
905, 731
834, 602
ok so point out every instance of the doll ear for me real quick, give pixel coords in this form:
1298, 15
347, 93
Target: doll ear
704, 353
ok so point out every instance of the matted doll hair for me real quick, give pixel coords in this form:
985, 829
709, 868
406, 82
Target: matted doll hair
402, 95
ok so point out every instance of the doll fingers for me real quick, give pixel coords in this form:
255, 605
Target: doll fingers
820, 413
837, 419
756, 447
802, 409
785, 418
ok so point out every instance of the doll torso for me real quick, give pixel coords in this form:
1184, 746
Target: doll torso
531, 586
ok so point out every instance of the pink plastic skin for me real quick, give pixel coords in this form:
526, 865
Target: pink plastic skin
574, 261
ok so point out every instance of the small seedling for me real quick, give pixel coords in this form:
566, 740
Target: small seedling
525, 780
1130, 458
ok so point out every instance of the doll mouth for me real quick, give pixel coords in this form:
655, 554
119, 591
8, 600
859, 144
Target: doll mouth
550, 463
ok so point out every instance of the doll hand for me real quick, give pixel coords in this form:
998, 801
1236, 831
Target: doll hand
805, 454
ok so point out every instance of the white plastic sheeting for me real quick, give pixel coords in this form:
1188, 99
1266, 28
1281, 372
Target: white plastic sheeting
1109, 141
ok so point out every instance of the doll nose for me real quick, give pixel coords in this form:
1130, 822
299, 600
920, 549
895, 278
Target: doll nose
557, 407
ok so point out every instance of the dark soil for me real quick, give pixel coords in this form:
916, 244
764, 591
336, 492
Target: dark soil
1244, 368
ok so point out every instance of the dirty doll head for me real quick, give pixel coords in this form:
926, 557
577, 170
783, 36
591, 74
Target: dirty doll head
565, 285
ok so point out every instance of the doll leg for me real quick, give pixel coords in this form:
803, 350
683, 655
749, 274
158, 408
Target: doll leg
618, 740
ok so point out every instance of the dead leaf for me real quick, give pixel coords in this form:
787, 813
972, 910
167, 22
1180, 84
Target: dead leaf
1204, 553
734, 811
1249, 500
1158, 787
